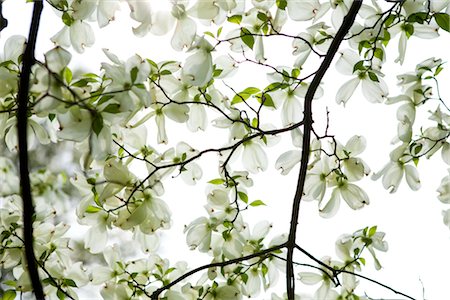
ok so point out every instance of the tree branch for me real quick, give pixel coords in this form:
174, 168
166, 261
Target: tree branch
22, 120
308, 121
212, 265
3, 21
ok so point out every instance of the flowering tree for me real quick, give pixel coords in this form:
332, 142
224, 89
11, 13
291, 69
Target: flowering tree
104, 119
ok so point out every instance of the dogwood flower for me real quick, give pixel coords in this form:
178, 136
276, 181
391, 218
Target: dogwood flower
352, 194
374, 88
392, 174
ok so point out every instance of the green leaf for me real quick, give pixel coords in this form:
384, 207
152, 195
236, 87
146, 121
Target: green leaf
133, 74
251, 90
217, 72
67, 73
266, 100
239, 98
419, 17
9, 295
416, 160
257, 203
69, 282
243, 196
247, 38
244, 277
373, 77
262, 16
60, 295
236, 19
282, 4
209, 33
408, 29
165, 72
362, 260
443, 20
92, 209
372, 230
386, 37
264, 269
295, 73
83, 82
97, 124
438, 70
112, 108
67, 19
379, 53
255, 122
219, 31
389, 20
217, 181
359, 66
51, 117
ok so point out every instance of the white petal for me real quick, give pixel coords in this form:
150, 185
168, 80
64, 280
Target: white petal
57, 59
106, 11
330, 208
355, 197
254, 158
81, 36
163, 21
206, 10
14, 47
356, 145
346, 91
393, 176
302, 10
96, 238
197, 69
310, 278
445, 153
374, 91
347, 61
184, 34
444, 192
287, 161
412, 177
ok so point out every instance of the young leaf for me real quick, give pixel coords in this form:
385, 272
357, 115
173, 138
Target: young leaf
133, 74
236, 19
243, 196
97, 124
443, 20
257, 203
9, 295
373, 77
247, 38
359, 66
217, 181
282, 4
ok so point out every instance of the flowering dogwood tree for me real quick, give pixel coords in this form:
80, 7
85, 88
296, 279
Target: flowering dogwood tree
115, 124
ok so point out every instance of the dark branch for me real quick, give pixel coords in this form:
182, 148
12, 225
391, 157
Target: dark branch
22, 120
213, 265
3, 21
308, 121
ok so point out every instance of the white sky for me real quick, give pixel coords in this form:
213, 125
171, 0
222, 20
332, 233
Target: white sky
419, 244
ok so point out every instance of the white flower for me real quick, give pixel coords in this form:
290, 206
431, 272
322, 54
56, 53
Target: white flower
374, 88
352, 194
444, 189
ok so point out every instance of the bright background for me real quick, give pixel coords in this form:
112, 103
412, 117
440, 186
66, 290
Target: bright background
418, 259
